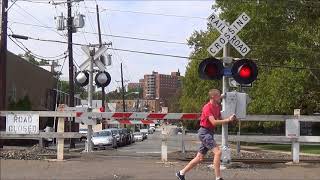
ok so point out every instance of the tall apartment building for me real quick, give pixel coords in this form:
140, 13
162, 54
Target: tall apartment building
161, 86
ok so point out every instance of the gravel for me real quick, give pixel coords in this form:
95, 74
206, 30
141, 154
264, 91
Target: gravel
254, 154
33, 153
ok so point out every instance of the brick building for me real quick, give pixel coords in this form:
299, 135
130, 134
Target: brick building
24, 79
135, 86
161, 86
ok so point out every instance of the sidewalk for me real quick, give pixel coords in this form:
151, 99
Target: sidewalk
99, 166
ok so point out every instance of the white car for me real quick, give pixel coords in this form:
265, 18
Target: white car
138, 136
104, 138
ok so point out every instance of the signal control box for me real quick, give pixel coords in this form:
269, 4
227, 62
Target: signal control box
236, 103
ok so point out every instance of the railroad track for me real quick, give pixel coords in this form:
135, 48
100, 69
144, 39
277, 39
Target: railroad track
257, 161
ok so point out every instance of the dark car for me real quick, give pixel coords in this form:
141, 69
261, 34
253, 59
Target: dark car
119, 136
126, 135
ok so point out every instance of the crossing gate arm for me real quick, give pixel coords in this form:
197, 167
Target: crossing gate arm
141, 115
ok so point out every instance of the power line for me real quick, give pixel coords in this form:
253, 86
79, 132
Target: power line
160, 41
89, 17
36, 2
110, 35
34, 54
121, 59
28, 51
62, 35
166, 55
149, 13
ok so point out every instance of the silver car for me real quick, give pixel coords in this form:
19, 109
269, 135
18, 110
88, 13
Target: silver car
138, 136
104, 139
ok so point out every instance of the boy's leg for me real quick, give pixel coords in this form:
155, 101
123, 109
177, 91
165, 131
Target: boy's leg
216, 160
192, 163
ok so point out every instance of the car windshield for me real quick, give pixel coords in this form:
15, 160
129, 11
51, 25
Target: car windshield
115, 132
102, 133
137, 133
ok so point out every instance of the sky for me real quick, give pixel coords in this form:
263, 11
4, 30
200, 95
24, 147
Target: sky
163, 20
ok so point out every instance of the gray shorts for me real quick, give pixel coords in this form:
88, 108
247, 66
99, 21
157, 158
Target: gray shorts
206, 137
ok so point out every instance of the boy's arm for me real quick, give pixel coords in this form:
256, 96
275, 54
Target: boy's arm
216, 122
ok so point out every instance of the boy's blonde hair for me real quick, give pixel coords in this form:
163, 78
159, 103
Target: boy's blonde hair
213, 92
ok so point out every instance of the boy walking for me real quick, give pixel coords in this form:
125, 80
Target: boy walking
210, 118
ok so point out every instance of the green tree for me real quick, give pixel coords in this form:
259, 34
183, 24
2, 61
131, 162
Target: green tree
29, 57
64, 86
280, 34
23, 104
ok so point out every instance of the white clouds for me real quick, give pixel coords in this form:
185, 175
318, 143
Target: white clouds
121, 23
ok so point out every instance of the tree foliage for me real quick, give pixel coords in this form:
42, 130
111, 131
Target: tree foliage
284, 37
64, 86
29, 57
23, 104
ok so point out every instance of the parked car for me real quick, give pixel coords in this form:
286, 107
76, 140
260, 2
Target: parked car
131, 136
83, 133
151, 130
126, 134
119, 136
104, 139
138, 136
145, 133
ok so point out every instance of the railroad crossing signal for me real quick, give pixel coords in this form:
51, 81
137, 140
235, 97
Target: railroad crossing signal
103, 78
243, 71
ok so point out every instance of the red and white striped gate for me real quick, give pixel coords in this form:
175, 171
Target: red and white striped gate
135, 117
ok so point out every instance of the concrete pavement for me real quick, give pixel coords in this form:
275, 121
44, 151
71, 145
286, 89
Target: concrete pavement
99, 167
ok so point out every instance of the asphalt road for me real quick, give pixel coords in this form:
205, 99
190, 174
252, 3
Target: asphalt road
152, 145
136, 161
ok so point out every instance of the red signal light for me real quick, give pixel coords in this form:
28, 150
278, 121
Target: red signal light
245, 71
210, 69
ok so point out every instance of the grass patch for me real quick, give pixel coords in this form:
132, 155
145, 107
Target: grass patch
310, 149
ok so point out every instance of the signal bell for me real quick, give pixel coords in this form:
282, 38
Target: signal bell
210, 69
244, 71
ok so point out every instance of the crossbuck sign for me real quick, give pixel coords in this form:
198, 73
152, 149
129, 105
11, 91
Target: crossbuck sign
96, 58
229, 34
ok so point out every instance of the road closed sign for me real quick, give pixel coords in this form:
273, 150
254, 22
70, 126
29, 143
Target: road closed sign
22, 123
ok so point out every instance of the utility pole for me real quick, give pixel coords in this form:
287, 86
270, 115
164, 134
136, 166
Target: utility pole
100, 44
3, 59
71, 83
123, 100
